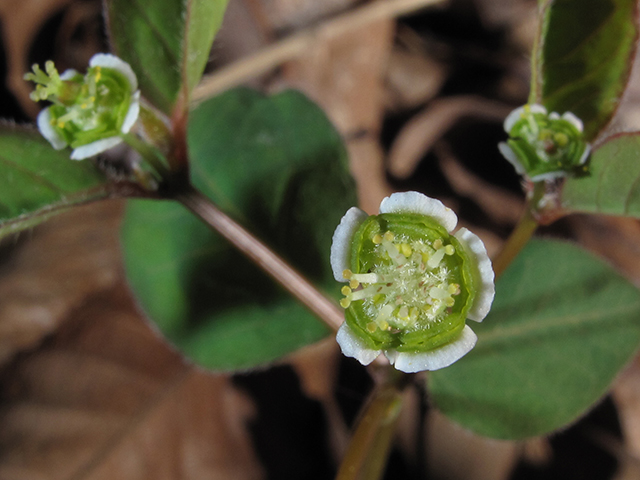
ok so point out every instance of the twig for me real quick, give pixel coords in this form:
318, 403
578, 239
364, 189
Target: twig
299, 43
276, 267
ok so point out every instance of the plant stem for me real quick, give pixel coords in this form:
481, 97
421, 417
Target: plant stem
370, 444
271, 263
516, 241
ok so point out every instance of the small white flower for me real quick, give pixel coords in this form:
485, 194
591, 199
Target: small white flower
544, 146
89, 113
407, 296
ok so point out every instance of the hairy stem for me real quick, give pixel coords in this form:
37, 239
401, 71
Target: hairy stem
270, 262
370, 444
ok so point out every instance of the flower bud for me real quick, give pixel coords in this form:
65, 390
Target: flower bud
89, 112
411, 283
544, 146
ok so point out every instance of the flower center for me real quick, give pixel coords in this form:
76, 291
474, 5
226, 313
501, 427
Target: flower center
408, 288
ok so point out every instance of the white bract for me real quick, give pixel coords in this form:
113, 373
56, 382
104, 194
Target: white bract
411, 283
89, 112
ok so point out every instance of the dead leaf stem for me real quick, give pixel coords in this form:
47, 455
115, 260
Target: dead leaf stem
299, 44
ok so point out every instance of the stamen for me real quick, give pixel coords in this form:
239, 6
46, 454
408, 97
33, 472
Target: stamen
365, 277
377, 239
437, 257
449, 249
346, 291
438, 293
345, 302
354, 283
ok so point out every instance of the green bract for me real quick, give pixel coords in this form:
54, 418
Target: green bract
411, 283
90, 112
544, 146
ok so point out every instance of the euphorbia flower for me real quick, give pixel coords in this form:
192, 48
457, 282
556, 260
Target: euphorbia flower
411, 283
544, 145
89, 112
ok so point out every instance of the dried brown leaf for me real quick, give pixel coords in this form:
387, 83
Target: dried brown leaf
107, 398
53, 269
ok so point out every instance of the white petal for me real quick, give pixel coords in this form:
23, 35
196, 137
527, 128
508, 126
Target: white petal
111, 61
572, 119
554, 116
537, 108
353, 346
508, 153
132, 113
549, 176
94, 148
512, 118
48, 132
438, 358
415, 202
68, 74
585, 155
483, 272
341, 243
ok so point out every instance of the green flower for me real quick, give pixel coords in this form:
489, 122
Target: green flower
544, 146
411, 283
89, 112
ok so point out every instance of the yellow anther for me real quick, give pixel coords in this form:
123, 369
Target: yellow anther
84, 105
347, 273
389, 236
371, 327
425, 257
437, 244
398, 247
354, 283
414, 312
450, 302
384, 325
449, 249
377, 239
346, 291
453, 289
405, 248
60, 124
345, 302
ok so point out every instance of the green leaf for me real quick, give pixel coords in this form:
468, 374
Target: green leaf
562, 326
583, 59
613, 184
277, 165
167, 42
37, 181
